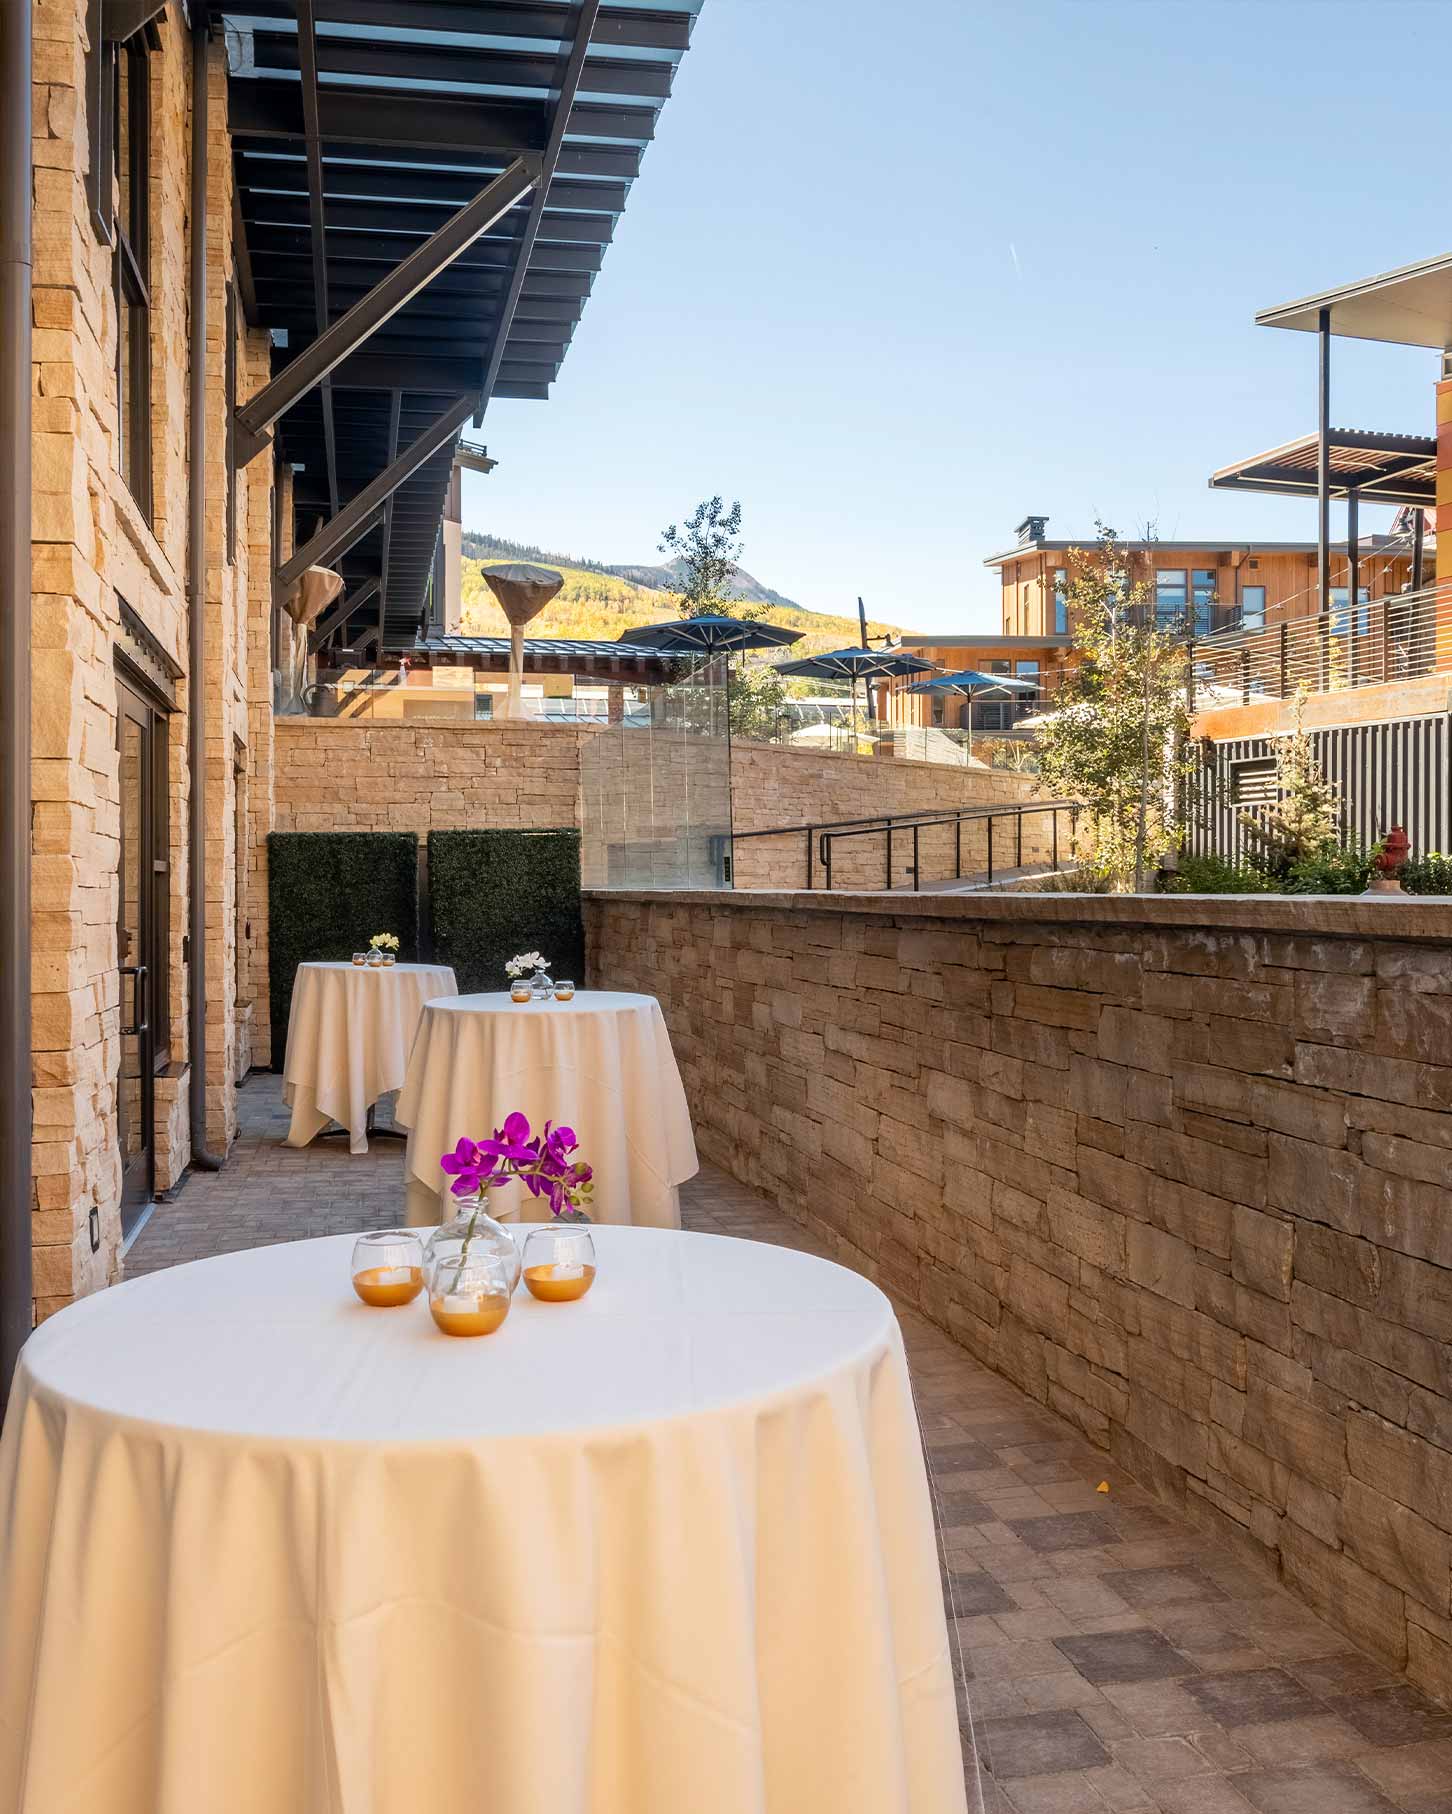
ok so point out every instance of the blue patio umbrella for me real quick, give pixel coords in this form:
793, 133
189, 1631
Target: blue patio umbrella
710, 635
854, 665
968, 681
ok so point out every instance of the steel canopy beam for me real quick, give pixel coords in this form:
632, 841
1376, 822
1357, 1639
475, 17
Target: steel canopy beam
638, 27
272, 109
342, 529
341, 614
334, 343
395, 415
317, 221
585, 15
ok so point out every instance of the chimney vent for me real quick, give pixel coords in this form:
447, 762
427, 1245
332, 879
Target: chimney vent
1031, 529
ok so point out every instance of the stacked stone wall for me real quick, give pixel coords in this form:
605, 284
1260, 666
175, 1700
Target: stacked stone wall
1182, 1170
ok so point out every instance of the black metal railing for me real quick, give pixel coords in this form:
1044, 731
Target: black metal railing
820, 840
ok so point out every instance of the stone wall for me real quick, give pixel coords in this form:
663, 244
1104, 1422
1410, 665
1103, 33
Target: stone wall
772, 785
1179, 1168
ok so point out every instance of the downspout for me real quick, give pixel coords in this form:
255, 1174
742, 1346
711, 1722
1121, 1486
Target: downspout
197, 622
16, 1313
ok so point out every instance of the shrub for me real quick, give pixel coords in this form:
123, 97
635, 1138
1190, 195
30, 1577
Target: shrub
494, 893
1429, 874
1332, 870
328, 892
1215, 875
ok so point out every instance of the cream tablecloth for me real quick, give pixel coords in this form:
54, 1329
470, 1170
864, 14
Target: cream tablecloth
665, 1551
601, 1064
349, 1032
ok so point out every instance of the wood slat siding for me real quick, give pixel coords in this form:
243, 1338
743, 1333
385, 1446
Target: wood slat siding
1391, 773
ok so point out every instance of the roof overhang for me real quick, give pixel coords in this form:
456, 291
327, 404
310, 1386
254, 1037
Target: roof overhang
1411, 306
611, 661
1379, 468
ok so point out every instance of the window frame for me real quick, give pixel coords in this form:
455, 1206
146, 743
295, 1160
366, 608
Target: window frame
1257, 621
131, 259
1061, 601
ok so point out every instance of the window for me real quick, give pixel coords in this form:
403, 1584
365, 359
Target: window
1061, 601
1202, 582
1342, 623
131, 264
1252, 607
1171, 597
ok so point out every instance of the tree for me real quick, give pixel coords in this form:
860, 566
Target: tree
758, 702
1118, 740
707, 553
1305, 818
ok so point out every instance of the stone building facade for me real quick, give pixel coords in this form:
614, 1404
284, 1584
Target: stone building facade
110, 613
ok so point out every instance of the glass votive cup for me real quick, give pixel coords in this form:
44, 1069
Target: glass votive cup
559, 1262
389, 960
375, 960
388, 1267
564, 989
469, 1294
360, 958
521, 990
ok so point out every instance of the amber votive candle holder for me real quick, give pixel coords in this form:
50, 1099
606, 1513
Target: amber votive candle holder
521, 990
559, 1263
564, 990
388, 1268
469, 1294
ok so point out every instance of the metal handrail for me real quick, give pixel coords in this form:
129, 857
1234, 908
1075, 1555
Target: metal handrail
821, 835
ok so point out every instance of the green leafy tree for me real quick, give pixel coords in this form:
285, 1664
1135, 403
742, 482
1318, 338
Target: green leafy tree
707, 552
758, 702
1304, 820
1118, 741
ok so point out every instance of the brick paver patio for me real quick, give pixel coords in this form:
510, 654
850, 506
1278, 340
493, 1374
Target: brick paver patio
1116, 1658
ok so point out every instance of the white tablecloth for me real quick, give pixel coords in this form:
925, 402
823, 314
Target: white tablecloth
601, 1064
349, 1032
664, 1551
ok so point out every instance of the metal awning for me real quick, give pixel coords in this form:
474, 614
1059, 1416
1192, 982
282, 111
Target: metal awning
1379, 468
621, 661
425, 190
1411, 306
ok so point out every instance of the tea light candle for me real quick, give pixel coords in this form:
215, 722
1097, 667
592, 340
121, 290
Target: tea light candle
560, 1283
386, 1286
468, 1312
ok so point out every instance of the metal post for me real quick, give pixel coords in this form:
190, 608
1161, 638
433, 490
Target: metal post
16, 1314
1323, 461
1018, 839
1419, 525
810, 883
916, 863
1353, 579
197, 624
958, 848
1054, 817
990, 846
888, 882
1285, 666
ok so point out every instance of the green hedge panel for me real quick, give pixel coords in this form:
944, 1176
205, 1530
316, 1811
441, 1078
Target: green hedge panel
495, 893
328, 892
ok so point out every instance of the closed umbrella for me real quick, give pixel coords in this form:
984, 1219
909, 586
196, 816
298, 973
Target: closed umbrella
854, 665
968, 681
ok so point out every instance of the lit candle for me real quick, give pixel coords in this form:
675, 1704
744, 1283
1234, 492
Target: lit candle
468, 1312
560, 1283
385, 1286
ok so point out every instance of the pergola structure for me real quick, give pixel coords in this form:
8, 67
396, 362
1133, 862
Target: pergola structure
615, 662
425, 192
1410, 306
1362, 466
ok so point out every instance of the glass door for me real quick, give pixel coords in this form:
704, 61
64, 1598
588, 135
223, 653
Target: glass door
139, 862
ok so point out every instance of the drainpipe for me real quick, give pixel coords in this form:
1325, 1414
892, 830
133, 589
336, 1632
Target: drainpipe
197, 622
15, 1055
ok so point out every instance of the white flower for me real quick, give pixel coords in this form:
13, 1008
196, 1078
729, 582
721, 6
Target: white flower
525, 963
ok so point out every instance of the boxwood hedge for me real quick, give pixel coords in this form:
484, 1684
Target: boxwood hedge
328, 893
494, 893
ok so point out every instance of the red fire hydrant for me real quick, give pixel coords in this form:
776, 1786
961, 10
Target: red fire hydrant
1395, 848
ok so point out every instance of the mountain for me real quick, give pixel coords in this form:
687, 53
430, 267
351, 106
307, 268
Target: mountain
599, 602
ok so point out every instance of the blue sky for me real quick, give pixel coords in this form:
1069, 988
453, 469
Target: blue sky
897, 278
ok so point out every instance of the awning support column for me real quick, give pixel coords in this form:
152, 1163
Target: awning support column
1419, 529
1323, 460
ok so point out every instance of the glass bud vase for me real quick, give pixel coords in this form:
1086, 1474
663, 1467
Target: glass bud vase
472, 1230
541, 987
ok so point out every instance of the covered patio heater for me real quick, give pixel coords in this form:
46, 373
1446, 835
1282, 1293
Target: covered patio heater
523, 591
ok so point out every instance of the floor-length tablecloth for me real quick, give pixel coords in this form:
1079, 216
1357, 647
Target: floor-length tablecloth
349, 1033
601, 1064
664, 1551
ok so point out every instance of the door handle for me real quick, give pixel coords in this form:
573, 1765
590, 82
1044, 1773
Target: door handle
137, 973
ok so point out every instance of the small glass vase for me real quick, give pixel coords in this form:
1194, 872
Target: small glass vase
559, 1261
541, 987
472, 1231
